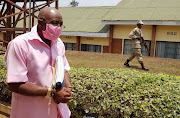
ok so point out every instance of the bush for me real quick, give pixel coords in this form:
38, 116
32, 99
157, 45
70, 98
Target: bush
5, 94
2, 69
112, 93
124, 93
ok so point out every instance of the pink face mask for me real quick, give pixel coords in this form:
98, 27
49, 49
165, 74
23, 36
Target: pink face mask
52, 32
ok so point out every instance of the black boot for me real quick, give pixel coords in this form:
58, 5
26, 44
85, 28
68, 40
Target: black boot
142, 66
127, 63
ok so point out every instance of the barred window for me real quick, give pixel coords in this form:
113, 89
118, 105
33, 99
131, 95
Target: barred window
128, 47
167, 49
90, 48
70, 46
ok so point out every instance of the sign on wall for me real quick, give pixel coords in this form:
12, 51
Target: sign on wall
89, 38
171, 33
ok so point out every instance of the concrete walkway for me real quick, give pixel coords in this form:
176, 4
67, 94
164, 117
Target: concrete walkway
5, 110
3, 116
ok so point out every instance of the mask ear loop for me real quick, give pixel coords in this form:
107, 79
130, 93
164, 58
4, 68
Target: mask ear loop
42, 22
39, 21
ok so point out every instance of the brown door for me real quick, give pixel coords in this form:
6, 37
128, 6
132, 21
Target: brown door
117, 46
105, 49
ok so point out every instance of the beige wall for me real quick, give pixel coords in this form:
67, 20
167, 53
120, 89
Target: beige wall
95, 40
147, 32
87, 40
168, 33
72, 39
122, 31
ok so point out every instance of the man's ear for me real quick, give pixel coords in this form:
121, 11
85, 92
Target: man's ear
42, 24
39, 21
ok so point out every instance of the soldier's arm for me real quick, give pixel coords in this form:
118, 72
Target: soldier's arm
132, 34
142, 40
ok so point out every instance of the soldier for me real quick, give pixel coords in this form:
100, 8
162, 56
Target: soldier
137, 39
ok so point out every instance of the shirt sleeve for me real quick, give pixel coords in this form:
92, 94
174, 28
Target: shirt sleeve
141, 33
66, 64
16, 62
132, 34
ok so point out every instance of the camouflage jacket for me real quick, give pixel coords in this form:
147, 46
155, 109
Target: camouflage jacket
136, 33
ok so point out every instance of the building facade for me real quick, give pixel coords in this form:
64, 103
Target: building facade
161, 29
106, 29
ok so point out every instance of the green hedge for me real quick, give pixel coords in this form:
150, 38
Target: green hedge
5, 94
2, 69
124, 93
118, 93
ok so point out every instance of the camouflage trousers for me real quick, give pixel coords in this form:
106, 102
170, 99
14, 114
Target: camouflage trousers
136, 53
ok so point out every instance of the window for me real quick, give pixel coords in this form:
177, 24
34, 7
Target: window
160, 49
70, 46
168, 49
128, 47
146, 52
90, 48
177, 55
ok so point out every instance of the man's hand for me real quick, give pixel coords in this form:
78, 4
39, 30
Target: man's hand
62, 96
138, 38
145, 45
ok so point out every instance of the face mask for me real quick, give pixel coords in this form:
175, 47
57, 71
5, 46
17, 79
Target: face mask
52, 32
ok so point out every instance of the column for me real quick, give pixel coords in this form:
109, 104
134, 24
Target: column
153, 41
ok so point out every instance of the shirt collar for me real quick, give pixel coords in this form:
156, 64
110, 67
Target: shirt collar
34, 34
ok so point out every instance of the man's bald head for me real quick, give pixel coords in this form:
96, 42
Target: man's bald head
50, 15
48, 12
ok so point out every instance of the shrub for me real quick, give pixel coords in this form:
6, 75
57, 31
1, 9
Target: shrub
124, 93
2, 69
117, 93
5, 94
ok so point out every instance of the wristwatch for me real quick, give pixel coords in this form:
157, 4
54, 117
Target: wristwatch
48, 93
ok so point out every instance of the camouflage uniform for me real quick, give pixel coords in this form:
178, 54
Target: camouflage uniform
134, 34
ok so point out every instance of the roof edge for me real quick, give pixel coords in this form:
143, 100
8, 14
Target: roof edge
86, 34
146, 22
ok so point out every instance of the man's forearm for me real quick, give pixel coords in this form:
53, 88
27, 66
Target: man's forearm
67, 79
28, 89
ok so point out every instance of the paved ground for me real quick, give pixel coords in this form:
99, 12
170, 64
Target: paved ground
5, 110
3, 116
